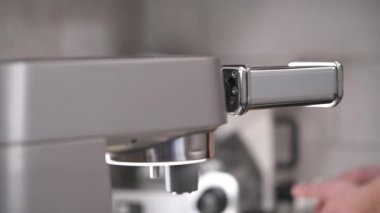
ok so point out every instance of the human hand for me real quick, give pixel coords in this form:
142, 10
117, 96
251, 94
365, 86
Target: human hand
334, 197
361, 175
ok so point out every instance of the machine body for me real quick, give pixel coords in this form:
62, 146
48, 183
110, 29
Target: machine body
154, 112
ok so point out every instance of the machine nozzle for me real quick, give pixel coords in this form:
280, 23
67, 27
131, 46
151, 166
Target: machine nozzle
317, 84
181, 178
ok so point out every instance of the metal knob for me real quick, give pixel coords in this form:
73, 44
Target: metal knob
213, 200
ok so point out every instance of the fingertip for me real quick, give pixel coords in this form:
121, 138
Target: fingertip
312, 190
305, 191
297, 190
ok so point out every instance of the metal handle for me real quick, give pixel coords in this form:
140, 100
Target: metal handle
317, 84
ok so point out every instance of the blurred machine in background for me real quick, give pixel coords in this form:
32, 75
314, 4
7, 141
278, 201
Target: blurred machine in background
231, 182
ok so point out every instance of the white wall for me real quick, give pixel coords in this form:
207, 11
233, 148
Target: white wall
69, 28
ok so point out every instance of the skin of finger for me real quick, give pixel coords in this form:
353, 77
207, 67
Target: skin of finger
313, 190
342, 199
304, 190
334, 195
357, 178
318, 207
343, 196
360, 175
332, 207
327, 210
352, 177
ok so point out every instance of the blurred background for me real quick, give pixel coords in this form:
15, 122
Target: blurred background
275, 148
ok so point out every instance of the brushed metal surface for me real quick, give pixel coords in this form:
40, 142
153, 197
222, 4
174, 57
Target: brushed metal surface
293, 86
70, 176
158, 98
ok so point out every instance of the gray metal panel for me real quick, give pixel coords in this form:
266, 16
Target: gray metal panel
68, 177
292, 86
52, 99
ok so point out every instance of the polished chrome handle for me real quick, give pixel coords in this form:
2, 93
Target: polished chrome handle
317, 84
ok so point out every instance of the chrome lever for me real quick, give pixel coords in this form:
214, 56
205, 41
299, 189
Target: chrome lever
315, 84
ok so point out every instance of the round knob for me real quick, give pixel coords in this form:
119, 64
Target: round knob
213, 200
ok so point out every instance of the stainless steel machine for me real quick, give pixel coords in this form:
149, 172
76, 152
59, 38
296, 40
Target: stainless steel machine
156, 112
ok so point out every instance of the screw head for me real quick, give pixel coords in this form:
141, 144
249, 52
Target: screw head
235, 91
234, 74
